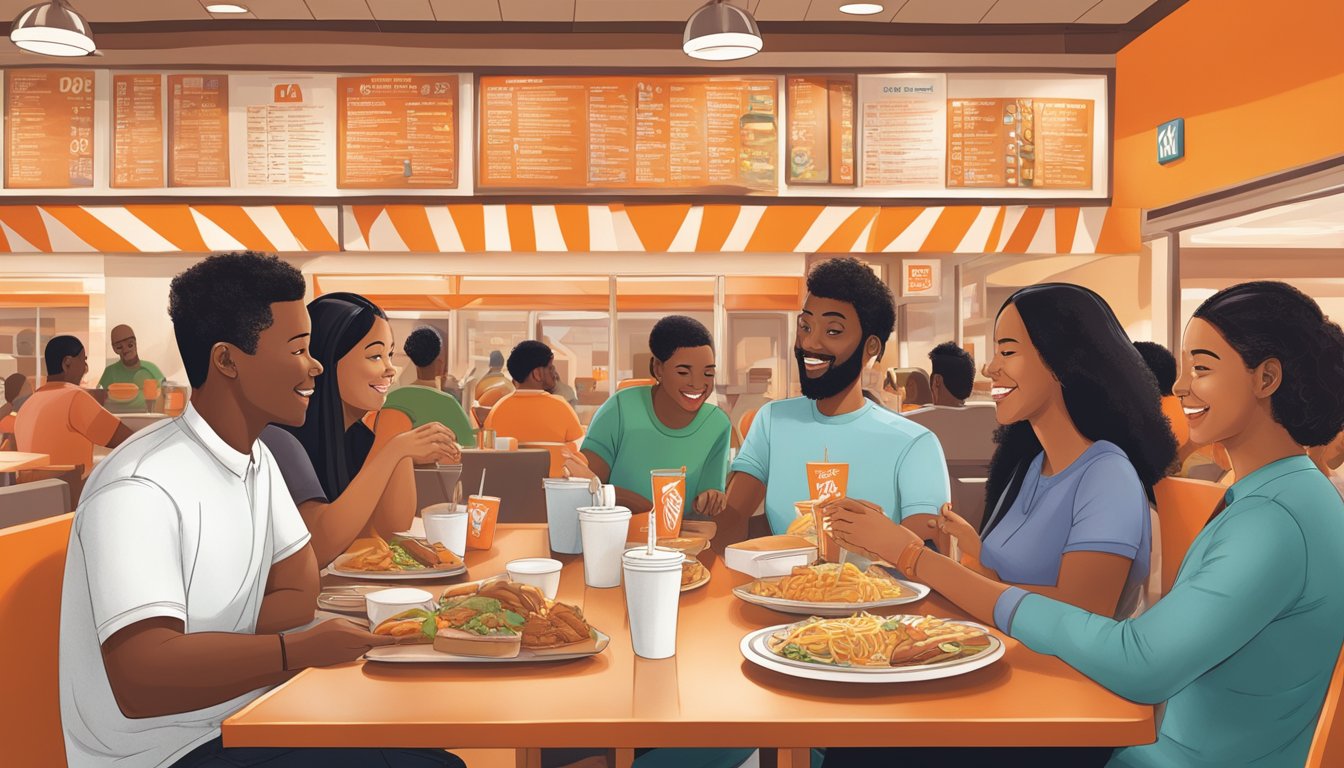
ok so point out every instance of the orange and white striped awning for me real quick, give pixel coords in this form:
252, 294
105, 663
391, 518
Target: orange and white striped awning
657, 228
167, 228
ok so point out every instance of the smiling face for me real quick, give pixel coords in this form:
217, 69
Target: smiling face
1023, 385
365, 373
278, 380
1217, 391
830, 347
123, 343
687, 375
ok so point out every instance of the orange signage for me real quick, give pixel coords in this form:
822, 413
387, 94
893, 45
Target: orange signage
628, 133
198, 130
48, 128
1025, 143
288, 93
396, 131
918, 277
137, 131
821, 130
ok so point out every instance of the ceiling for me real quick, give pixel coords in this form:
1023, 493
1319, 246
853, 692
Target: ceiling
1315, 223
897, 11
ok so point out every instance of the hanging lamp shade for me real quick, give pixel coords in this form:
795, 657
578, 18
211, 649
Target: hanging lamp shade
52, 29
718, 31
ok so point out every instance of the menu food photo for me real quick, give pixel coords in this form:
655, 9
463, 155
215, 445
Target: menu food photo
1029, 143
49, 128
821, 130
578, 133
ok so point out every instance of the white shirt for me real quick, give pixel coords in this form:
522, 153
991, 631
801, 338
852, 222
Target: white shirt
173, 523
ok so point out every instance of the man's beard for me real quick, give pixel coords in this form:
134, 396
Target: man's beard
834, 380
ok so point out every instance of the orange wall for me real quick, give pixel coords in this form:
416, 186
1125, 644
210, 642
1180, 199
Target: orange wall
1260, 85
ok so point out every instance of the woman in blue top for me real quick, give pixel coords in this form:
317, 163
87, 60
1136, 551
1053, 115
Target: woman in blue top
1243, 646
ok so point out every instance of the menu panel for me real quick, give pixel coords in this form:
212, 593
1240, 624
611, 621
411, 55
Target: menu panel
1024, 143
137, 131
287, 129
904, 133
627, 132
198, 130
397, 131
821, 130
48, 128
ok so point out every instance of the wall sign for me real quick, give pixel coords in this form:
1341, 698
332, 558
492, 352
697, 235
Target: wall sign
921, 277
1171, 141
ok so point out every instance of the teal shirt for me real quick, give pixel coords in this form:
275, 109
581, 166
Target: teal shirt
424, 405
893, 462
116, 373
1242, 648
627, 435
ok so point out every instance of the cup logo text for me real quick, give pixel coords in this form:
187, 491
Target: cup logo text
670, 501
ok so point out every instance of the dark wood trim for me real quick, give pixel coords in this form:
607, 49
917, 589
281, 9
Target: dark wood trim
552, 198
1250, 187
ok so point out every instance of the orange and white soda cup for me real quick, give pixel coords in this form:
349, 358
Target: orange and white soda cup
669, 500
827, 480
828, 549
482, 514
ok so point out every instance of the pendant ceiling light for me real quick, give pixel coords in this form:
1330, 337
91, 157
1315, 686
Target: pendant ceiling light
52, 29
718, 31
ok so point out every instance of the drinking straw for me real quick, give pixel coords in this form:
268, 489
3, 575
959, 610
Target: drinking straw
825, 454
653, 525
482, 491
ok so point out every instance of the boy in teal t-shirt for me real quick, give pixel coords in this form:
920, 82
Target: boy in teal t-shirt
627, 435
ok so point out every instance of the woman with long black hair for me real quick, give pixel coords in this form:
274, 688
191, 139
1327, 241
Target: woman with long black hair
1243, 646
341, 484
1082, 443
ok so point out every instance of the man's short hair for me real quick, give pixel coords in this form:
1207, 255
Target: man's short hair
227, 298
527, 357
59, 348
676, 332
1161, 362
423, 346
851, 281
13, 385
496, 359
956, 367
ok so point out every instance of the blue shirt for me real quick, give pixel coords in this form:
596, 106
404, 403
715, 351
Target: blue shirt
893, 462
1095, 504
1242, 648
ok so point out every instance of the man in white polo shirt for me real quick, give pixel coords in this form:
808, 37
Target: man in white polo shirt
188, 560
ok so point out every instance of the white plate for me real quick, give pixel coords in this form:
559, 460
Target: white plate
831, 610
420, 575
754, 649
424, 653
698, 583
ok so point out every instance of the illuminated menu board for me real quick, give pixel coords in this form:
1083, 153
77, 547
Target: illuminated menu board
287, 129
397, 131
821, 130
1025, 143
904, 130
48, 128
198, 130
137, 131
628, 133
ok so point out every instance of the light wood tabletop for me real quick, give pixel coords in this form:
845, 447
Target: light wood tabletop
706, 696
16, 461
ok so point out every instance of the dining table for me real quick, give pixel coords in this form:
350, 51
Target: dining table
13, 462
706, 695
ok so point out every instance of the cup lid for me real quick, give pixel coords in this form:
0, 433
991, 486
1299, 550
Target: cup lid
534, 565
564, 482
662, 558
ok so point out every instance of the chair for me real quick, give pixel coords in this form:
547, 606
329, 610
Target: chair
967, 437
1327, 746
36, 500
628, 383
744, 423
1183, 507
514, 476
30, 599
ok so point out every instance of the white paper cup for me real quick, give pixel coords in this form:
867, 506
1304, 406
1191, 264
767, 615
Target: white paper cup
652, 594
446, 525
386, 603
563, 499
608, 495
541, 572
603, 531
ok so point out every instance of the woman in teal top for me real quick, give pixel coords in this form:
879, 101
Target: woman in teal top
666, 426
1243, 647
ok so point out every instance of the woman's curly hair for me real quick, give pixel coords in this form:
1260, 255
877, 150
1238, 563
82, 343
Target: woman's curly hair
1109, 391
1265, 319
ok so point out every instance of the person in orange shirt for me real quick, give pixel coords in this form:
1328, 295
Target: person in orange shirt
61, 419
531, 414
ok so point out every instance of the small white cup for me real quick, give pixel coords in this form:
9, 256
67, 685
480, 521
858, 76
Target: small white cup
652, 594
541, 572
446, 525
386, 603
603, 531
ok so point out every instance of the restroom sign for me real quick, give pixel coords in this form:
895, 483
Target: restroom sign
1171, 141
921, 277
